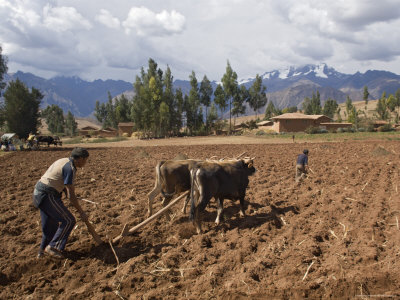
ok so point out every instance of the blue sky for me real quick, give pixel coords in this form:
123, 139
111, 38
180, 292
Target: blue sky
96, 39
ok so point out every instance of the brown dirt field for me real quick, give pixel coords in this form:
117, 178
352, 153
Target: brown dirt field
335, 236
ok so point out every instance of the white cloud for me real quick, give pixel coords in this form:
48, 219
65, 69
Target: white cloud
89, 38
107, 19
64, 19
146, 22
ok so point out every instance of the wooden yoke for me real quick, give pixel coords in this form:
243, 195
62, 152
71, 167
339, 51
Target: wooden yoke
126, 232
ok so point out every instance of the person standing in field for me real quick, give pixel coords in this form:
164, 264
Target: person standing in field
302, 166
57, 220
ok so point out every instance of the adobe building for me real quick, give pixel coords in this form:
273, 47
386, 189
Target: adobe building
88, 130
297, 122
108, 132
125, 127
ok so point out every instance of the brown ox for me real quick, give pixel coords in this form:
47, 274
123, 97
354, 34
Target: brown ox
221, 180
172, 178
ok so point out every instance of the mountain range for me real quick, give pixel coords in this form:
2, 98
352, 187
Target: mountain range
286, 87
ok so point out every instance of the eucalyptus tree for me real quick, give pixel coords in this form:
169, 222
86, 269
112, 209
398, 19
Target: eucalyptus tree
192, 111
220, 99
54, 117
206, 92
330, 107
21, 108
229, 84
258, 97
71, 125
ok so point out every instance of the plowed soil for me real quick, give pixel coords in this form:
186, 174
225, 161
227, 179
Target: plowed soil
334, 236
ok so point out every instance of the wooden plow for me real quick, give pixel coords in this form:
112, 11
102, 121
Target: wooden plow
126, 231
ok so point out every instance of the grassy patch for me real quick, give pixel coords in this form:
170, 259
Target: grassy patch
75, 140
108, 140
349, 136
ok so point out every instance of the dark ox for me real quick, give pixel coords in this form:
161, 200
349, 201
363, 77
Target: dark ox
41, 139
221, 180
172, 178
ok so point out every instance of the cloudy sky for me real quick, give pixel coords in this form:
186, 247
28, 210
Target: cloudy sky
98, 39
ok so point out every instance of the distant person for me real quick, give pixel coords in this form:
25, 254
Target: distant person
11, 146
31, 139
293, 138
302, 166
57, 220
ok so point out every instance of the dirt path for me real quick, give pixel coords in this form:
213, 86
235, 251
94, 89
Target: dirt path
335, 236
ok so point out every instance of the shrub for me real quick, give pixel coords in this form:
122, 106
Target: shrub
385, 128
312, 130
261, 132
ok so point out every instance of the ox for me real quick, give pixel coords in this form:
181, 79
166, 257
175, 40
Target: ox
172, 177
221, 180
45, 139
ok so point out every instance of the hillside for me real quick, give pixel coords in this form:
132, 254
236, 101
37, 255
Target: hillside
82, 122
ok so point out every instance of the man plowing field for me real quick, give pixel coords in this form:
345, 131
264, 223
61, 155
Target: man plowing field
302, 166
57, 220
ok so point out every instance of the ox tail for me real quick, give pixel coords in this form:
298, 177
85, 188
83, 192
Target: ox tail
158, 173
193, 172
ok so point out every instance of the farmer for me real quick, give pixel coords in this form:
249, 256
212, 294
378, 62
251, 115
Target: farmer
302, 165
57, 221
31, 139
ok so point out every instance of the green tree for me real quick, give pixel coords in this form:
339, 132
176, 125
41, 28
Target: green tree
177, 121
206, 92
258, 96
122, 109
169, 100
100, 111
391, 103
353, 116
381, 108
212, 116
22, 108
365, 95
330, 108
3, 70
338, 115
397, 96
290, 109
270, 111
164, 118
70, 124
229, 84
111, 117
220, 99
54, 117
312, 106
349, 107
241, 96
192, 111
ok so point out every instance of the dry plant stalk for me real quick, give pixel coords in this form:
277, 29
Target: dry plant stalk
365, 185
119, 295
308, 269
333, 233
86, 200
115, 254
302, 241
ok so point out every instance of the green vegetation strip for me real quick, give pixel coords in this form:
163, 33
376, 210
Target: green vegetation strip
392, 135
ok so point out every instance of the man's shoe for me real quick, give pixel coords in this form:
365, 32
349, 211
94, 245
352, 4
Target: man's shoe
53, 252
40, 254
